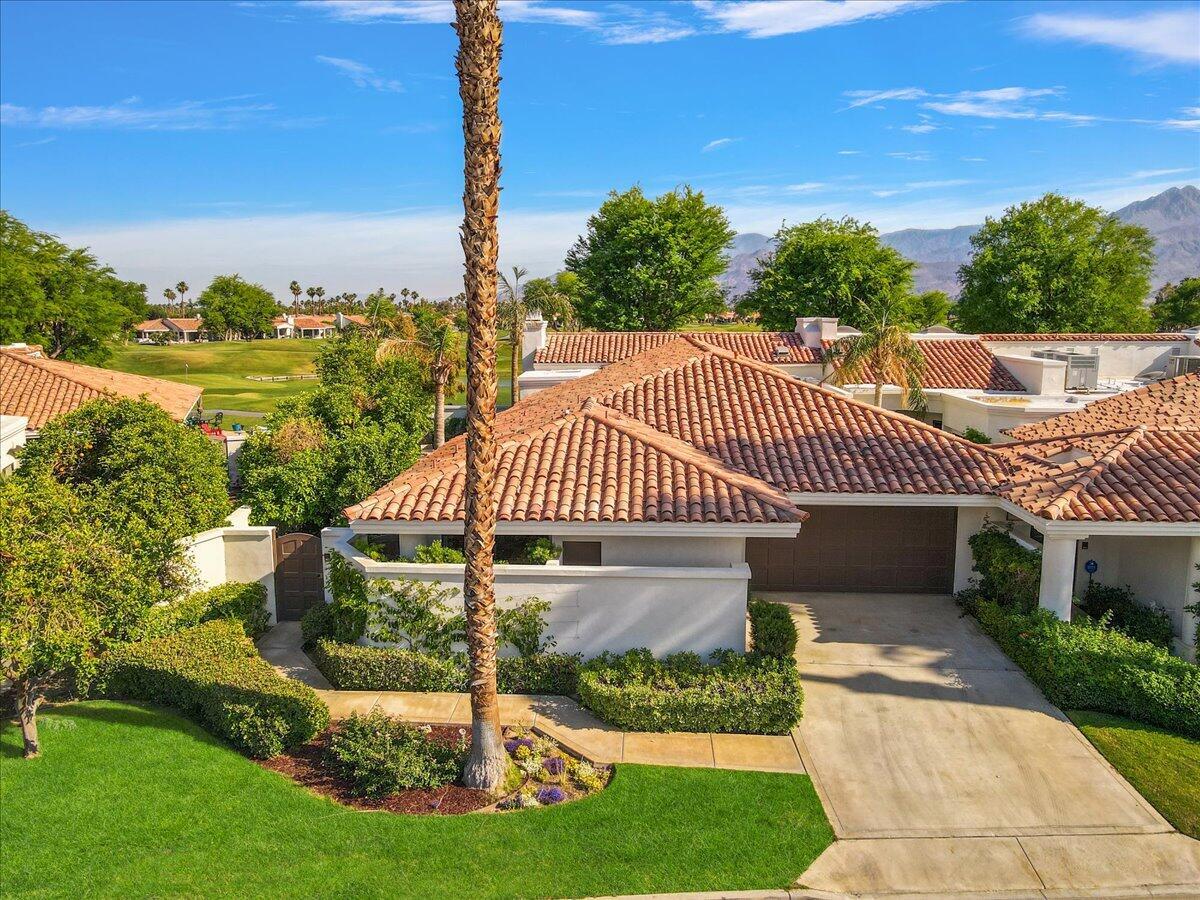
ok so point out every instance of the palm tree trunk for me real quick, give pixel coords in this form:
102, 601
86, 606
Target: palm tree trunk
879, 393
478, 65
514, 351
439, 414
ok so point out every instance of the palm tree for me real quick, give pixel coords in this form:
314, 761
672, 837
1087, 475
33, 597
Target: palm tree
312, 293
519, 305
296, 290
170, 298
182, 288
478, 64
884, 353
438, 346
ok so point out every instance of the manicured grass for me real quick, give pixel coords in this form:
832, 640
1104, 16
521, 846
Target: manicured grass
132, 801
1164, 767
221, 367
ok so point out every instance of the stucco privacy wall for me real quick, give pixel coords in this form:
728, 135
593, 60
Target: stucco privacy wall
239, 552
667, 608
1118, 359
1160, 570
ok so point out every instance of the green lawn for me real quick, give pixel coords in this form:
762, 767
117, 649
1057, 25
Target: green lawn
132, 801
1164, 767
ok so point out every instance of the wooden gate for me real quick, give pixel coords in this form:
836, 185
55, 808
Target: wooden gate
299, 575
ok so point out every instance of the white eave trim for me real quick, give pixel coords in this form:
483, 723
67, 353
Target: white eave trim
1081, 530
584, 529
803, 499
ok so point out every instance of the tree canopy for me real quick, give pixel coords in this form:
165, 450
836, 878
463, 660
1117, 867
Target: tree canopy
1177, 306
60, 297
650, 265
331, 447
928, 308
827, 268
231, 305
1056, 264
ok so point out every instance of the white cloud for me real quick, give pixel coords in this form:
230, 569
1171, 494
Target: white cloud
441, 12
923, 128
130, 114
980, 110
770, 18
361, 74
626, 24
866, 98
1190, 122
974, 159
718, 144
912, 155
849, 153
890, 193
1165, 35
805, 187
38, 143
949, 182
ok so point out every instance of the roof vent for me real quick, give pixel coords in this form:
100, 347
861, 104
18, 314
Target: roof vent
781, 352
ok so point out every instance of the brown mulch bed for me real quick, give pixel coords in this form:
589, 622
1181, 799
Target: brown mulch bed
305, 765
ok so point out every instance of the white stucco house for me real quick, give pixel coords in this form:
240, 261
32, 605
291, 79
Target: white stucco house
681, 477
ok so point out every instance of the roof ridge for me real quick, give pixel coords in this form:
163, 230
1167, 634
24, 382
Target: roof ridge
1070, 437
45, 363
685, 452
1056, 507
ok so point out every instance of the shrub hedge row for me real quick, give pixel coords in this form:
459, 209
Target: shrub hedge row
752, 694
1124, 613
772, 631
353, 667
245, 603
212, 673
1085, 666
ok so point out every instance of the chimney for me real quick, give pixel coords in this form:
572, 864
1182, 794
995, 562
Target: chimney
816, 331
533, 340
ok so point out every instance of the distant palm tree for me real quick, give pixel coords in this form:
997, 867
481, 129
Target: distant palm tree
438, 346
518, 305
884, 353
296, 290
478, 65
182, 288
320, 292
170, 297
312, 294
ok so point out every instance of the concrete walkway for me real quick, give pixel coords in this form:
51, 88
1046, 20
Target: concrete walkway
944, 771
558, 717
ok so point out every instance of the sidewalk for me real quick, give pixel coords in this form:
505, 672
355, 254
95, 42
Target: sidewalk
558, 717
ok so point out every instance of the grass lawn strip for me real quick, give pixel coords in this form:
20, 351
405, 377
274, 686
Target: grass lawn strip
1164, 767
133, 801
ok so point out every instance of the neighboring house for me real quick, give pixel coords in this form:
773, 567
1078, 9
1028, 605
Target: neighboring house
313, 326
38, 388
679, 477
988, 383
283, 327
177, 331
344, 320
12, 436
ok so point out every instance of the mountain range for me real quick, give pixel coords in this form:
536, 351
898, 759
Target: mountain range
1172, 218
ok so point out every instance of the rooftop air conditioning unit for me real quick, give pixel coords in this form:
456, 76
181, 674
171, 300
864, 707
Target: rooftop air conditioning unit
1182, 365
1083, 369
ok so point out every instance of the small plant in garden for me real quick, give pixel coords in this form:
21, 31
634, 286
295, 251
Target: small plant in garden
1117, 607
550, 775
772, 631
1011, 573
523, 626
370, 549
381, 755
437, 553
974, 434
542, 551
417, 615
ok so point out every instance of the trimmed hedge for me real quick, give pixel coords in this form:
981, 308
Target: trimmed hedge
752, 694
1011, 573
353, 667
241, 602
1145, 623
1080, 666
212, 673
772, 631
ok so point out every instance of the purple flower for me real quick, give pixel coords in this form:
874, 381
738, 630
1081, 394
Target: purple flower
550, 795
555, 765
510, 746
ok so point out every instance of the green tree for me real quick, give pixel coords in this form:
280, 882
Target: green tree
169, 296
296, 291
650, 265
1177, 306
517, 305
230, 305
556, 298
151, 480
66, 585
928, 309
61, 298
439, 348
1056, 264
826, 268
329, 448
884, 353
183, 288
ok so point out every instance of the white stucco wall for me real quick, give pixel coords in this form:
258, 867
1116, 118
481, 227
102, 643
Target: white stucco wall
12, 436
1039, 376
241, 553
673, 551
1118, 359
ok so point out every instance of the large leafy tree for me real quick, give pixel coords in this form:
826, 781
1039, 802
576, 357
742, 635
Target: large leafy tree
230, 305
928, 308
650, 265
151, 480
327, 449
827, 268
1177, 306
60, 297
67, 587
1056, 264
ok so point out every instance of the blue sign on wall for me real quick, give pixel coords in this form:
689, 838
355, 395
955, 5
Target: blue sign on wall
1091, 567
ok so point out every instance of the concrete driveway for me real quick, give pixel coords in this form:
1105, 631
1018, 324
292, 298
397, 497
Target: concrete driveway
942, 768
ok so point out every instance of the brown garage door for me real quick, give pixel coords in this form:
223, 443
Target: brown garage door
860, 548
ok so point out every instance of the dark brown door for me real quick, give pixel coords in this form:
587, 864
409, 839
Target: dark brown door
299, 575
899, 549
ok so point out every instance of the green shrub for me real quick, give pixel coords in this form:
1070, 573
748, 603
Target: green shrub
751, 694
437, 552
541, 551
1085, 666
212, 673
245, 603
542, 673
1119, 608
974, 434
421, 615
772, 631
523, 627
1011, 573
370, 549
382, 756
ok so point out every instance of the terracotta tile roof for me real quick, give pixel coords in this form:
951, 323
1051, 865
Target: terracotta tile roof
603, 347
1174, 402
40, 388
150, 325
355, 318
1138, 474
1081, 337
954, 363
314, 321
186, 324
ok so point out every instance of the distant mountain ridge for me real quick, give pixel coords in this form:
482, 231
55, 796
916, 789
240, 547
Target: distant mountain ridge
1172, 217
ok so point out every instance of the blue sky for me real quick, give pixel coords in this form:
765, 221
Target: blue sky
320, 140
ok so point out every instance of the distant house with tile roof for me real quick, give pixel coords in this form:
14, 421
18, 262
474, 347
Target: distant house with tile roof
679, 476
174, 330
